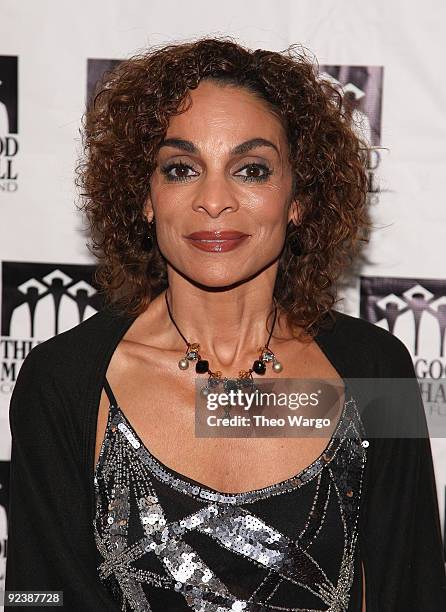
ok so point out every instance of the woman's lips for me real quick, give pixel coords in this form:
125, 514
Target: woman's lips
217, 242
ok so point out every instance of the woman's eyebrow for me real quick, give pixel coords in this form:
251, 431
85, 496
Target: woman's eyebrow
244, 147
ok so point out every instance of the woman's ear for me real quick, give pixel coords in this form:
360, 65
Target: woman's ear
148, 209
295, 212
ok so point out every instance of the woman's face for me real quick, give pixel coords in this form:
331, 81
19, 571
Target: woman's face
223, 167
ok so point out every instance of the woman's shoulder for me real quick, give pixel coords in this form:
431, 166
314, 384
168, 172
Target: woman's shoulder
367, 345
74, 346
66, 366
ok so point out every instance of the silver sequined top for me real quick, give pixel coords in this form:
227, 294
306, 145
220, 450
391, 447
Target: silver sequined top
169, 543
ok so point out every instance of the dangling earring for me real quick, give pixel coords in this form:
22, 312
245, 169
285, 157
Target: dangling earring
294, 244
147, 239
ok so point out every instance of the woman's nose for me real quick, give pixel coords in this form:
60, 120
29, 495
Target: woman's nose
215, 195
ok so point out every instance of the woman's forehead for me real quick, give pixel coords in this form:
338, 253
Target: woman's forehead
227, 113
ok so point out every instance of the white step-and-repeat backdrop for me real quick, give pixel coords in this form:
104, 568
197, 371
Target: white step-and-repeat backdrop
388, 57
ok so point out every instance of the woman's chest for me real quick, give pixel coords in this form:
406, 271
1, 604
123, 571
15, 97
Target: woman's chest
161, 405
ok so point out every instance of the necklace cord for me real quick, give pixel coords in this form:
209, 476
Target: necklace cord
272, 327
173, 321
188, 344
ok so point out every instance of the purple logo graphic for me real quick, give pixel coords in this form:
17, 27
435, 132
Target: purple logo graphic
96, 69
361, 88
389, 299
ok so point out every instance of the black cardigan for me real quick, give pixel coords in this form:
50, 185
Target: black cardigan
53, 415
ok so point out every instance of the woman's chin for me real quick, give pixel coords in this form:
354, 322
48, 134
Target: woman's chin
210, 280
217, 275
218, 282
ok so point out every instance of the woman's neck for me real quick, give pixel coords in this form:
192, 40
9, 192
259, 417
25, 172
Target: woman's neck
229, 325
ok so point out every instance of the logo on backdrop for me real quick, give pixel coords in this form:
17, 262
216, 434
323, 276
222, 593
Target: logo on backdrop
40, 300
9, 144
415, 311
361, 88
96, 69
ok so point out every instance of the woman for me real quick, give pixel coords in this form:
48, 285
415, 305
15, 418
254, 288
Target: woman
226, 194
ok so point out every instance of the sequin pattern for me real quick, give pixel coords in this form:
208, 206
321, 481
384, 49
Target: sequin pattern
125, 491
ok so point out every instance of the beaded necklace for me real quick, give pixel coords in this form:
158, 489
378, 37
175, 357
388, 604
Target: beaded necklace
215, 379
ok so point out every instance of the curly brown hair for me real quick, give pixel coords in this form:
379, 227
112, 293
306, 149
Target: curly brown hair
128, 119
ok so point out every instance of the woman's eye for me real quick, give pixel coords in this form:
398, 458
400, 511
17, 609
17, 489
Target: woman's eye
255, 172
181, 172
